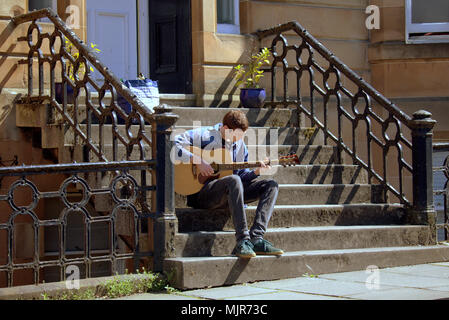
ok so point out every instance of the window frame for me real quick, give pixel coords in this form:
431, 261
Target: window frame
411, 28
229, 28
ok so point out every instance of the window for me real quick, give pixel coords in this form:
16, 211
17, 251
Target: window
427, 21
41, 4
228, 16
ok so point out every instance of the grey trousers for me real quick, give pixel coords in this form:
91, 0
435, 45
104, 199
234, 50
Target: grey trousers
231, 192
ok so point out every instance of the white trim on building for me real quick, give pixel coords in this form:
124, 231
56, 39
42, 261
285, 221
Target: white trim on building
416, 33
228, 11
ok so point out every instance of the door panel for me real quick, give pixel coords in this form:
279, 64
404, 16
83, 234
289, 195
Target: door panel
165, 37
171, 45
112, 26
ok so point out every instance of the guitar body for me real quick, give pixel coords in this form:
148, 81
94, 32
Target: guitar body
189, 181
187, 178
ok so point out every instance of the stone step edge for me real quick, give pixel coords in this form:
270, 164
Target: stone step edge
326, 185
184, 127
200, 272
306, 238
315, 253
316, 206
310, 229
283, 146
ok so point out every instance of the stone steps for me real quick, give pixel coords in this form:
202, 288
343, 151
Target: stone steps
275, 135
221, 243
257, 117
327, 217
200, 272
291, 194
319, 174
191, 220
254, 135
307, 154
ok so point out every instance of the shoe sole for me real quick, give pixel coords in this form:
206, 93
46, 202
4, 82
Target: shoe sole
246, 256
270, 253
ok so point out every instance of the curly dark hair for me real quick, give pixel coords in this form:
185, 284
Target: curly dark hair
236, 119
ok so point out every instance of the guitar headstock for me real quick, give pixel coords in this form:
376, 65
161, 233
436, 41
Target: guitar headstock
289, 160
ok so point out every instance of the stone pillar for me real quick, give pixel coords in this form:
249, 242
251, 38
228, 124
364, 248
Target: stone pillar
423, 210
166, 223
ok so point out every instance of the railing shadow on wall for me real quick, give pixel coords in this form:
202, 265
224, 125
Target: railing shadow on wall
138, 185
394, 148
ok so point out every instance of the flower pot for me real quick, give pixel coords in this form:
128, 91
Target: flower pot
252, 98
59, 96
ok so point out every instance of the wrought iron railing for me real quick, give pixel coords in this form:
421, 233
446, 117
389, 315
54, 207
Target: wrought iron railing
118, 247
393, 147
52, 55
442, 190
140, 182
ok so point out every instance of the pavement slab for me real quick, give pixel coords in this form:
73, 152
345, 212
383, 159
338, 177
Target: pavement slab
426, 270
392, 279
227, 292
319, 286
402, 294
418, 282
287, 295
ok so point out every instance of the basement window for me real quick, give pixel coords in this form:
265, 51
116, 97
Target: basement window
41, 4
427, 21
228, 20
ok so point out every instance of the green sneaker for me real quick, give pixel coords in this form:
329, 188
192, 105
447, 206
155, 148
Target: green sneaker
244, 249
264, 247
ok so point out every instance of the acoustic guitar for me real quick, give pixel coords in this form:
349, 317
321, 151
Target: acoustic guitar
188, 180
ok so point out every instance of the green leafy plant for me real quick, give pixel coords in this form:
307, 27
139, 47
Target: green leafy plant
119, 286
145, 281
70, 48
251, 74
307, 275
86, 294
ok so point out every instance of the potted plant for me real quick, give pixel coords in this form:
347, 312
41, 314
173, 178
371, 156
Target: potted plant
252, 95
70, 70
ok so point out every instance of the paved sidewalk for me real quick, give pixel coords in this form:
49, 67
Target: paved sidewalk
419, 282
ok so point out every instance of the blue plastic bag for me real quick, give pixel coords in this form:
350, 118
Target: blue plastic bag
146, 90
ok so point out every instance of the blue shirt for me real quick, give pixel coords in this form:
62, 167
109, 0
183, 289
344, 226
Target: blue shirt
210, 138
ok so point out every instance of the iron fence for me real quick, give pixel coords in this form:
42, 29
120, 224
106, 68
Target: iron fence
441, 189
23, 209
94, 99
133, 178
394, 148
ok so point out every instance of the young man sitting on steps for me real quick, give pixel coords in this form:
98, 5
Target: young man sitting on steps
234, 190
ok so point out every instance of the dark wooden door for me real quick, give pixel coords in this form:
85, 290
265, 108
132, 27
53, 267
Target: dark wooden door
171, 45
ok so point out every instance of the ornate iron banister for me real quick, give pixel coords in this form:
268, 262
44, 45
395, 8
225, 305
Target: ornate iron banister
87, 53
106, 112
410, 141
125, 181
342, 67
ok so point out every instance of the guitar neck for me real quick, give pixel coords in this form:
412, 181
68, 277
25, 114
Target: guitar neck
244, 165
